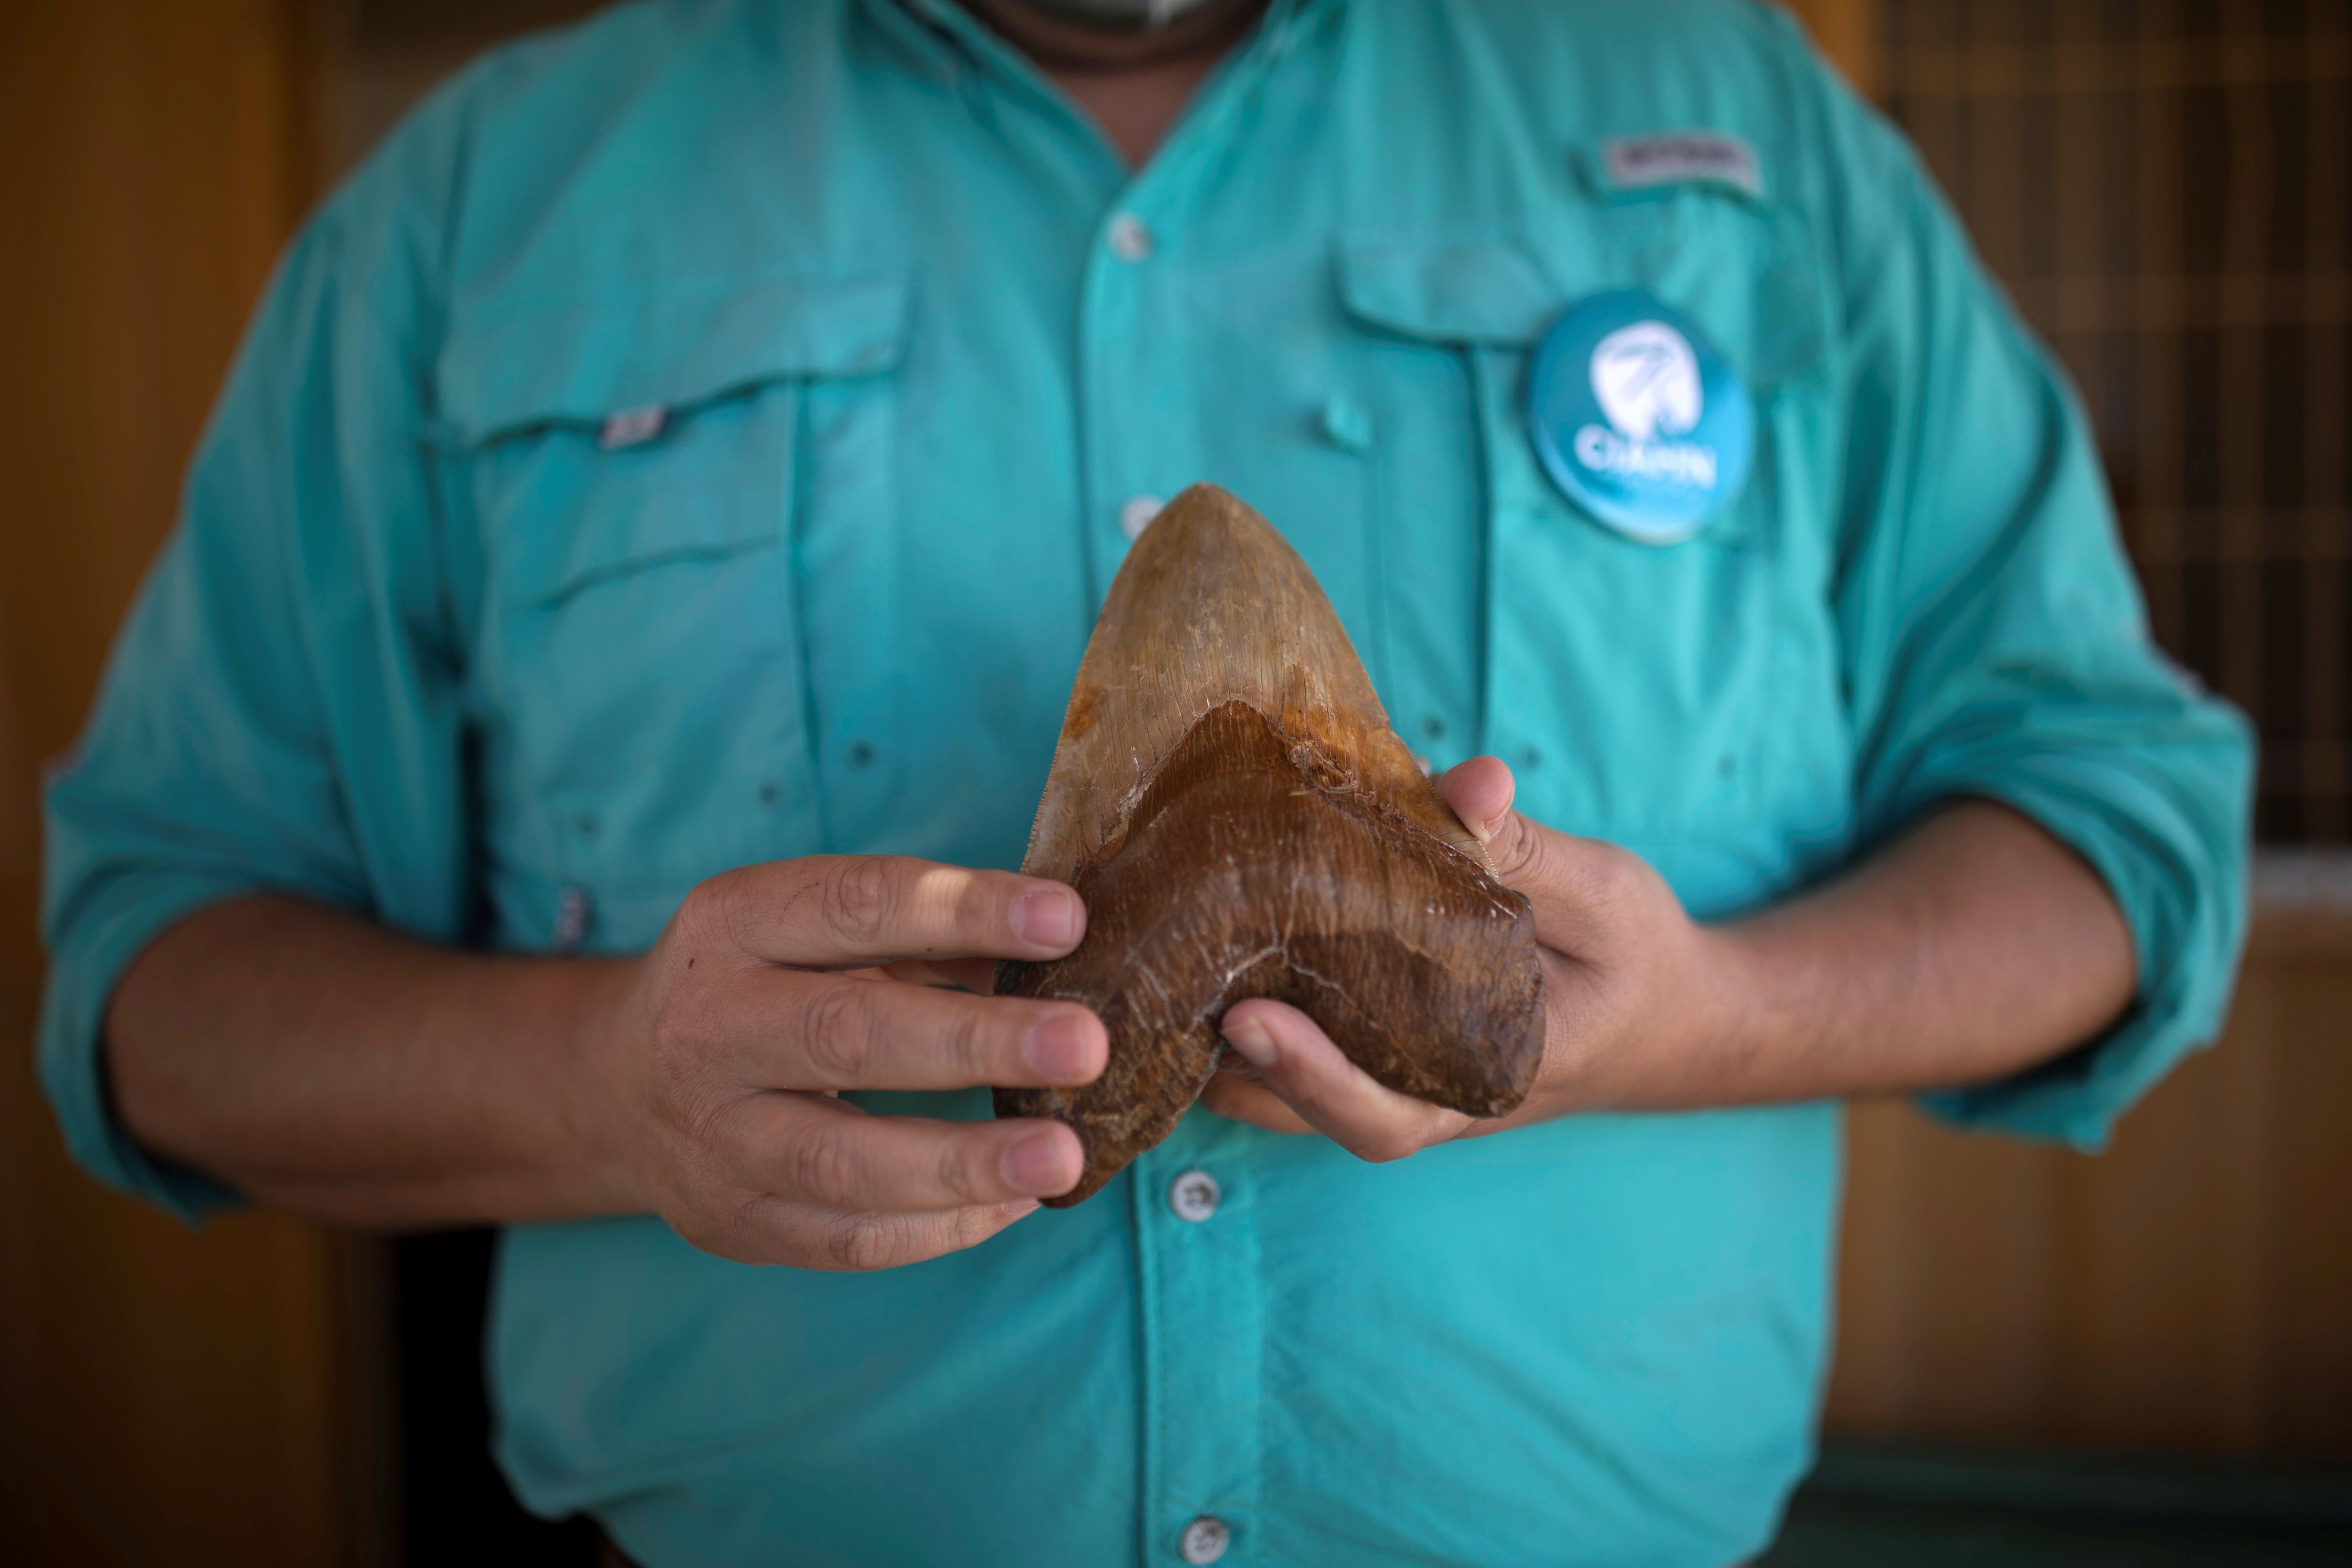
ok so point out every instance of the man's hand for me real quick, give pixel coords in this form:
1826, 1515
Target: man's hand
1627, 975
712, 1077
1972, 946
315, 1060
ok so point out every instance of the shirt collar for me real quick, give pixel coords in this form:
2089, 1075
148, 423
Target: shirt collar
948, 26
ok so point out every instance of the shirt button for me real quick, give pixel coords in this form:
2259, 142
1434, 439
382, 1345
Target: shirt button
1194, 1195
1204, 1541
1135, 515
1131, 239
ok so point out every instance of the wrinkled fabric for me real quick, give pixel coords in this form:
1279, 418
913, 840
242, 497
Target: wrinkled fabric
703, 437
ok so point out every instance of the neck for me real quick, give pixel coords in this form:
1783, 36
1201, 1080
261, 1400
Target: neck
1134, 83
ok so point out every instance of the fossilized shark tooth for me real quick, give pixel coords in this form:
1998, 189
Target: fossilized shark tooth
1230, 800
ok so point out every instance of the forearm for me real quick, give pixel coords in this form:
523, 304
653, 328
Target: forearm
1974, 946
320, 1062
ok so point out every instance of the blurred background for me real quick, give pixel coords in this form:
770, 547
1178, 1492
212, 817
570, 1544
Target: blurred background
2142, 1358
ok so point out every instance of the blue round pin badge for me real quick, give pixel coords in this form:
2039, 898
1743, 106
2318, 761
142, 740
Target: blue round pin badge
1638, 418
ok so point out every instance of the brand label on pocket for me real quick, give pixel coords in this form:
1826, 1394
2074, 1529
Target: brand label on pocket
632, 427
1637, 418
1710, 157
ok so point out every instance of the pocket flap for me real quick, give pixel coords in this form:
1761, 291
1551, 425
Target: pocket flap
1463, 290
1743, 272
583, 362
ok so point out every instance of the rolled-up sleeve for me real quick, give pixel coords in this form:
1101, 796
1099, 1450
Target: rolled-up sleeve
281, 711
1996, 643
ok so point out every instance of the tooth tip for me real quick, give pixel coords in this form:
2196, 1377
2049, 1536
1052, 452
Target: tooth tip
1214, 604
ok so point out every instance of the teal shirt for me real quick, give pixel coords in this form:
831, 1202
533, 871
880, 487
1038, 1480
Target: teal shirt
442, 639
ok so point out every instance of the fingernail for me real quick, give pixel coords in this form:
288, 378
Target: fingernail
1020, 1210
1050, 917
1036, 1164
1254, 1040
1061, 1048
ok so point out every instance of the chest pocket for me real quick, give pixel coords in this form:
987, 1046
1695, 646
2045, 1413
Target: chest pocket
1637, 690
687, 547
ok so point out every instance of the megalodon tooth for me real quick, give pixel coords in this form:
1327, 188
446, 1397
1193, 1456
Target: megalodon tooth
1228, 798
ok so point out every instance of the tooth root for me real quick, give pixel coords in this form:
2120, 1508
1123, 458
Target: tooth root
1228, 799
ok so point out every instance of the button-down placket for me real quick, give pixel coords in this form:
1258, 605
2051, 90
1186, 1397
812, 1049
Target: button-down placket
1202, 1309
1137, 447
1138, 433
1200, 1290
1134, 446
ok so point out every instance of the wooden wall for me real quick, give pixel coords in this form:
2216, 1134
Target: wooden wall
1847, 31
2188, 1290
166, 1397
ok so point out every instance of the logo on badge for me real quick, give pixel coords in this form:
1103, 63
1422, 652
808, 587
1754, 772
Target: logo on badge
1655, 436
1647, 380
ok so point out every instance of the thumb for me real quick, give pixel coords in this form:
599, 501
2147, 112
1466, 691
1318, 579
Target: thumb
1479, 791
1566, 878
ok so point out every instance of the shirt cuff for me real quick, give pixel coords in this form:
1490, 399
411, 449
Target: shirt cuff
2174, 854
112, 925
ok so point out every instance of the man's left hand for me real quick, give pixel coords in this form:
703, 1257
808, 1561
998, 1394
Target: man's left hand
1633, 989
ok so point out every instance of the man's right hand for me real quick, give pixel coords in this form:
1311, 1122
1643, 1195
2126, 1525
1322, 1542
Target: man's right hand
715, 1059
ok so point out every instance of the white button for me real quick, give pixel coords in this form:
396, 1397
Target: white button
1204, 1541
1130, 239
1194, 1195
1135, 515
